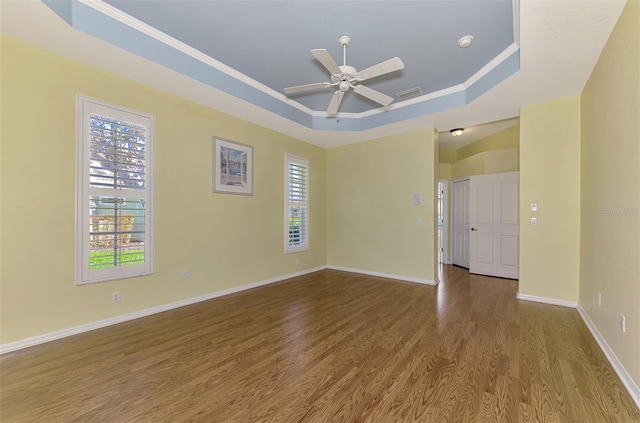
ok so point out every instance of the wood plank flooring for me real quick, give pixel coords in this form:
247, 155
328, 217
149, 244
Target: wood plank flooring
329, 346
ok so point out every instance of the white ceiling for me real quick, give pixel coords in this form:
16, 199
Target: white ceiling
560, 42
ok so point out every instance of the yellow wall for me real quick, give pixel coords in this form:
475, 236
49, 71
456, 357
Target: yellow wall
610, 219
500, 161
447, 156
496, 153
550, 176
506, 139
370, 205
222, 240
474, 165
444, 171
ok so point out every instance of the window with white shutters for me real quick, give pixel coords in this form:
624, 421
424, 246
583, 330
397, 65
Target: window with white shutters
114, 192
296, 204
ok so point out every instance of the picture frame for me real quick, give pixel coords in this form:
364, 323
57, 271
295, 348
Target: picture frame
232, 167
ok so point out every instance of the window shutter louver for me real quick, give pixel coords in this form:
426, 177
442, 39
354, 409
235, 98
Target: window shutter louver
297, 204
117, 154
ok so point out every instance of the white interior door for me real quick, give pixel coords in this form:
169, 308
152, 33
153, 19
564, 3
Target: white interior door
494, 225
461, 223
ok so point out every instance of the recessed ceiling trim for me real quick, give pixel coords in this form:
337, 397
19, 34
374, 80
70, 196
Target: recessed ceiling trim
170, 41
485, 71
134, 23
416, 100
108, 23
495, 62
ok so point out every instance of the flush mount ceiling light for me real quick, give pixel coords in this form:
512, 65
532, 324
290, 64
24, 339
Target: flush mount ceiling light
457, 132
465, 41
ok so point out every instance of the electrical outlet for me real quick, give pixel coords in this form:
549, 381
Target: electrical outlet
297, 262
376, 256
115, 297
599, 298
534, 221
185, 274
623, 323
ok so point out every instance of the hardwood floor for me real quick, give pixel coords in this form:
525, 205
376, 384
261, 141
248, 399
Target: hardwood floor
329, 346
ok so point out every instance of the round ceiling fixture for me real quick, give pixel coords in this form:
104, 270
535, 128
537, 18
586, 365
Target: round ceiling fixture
465, 41
457, 132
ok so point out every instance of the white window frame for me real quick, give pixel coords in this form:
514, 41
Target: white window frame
86, 106
302, 161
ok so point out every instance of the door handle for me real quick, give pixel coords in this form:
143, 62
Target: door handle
474, 229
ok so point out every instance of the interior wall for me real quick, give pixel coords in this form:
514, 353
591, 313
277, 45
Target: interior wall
474, 165
373, 223
447, 156
495, 153
550, 177
444, 171
610, 218
223, 240
506, 139
500, 161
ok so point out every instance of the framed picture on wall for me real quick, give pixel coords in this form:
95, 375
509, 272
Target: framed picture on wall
232, 167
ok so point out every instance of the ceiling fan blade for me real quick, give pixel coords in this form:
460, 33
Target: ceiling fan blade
327, 61
334, 105
387, 66
374, 95
307, 87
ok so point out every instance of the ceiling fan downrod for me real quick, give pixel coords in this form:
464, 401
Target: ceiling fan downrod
344, 42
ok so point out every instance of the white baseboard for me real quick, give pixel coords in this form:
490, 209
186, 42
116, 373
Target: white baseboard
384, 275
622, 373
52, 336
545, 300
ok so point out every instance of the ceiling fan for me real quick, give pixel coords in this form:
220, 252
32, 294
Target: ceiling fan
345, 77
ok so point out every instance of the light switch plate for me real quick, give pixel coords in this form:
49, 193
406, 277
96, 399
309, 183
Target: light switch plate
534, 207
534, 221
417, 198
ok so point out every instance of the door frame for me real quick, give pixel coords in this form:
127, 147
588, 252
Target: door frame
446, 250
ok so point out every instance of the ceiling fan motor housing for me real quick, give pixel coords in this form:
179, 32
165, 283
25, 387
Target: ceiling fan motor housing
347, 75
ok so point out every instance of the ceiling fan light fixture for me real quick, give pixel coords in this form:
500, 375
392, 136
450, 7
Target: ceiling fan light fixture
465, 41
457, 132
